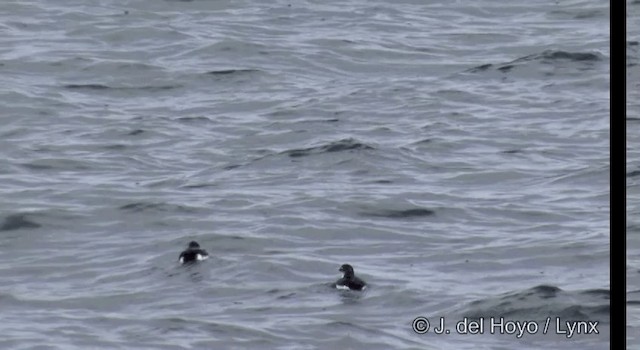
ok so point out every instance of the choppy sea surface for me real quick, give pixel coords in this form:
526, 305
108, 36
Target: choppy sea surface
455, 153
633, 173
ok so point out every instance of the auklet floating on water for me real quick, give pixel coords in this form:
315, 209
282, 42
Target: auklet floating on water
349, 280
193, 253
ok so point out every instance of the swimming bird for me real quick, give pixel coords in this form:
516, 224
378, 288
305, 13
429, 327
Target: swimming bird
349, 280
193, 253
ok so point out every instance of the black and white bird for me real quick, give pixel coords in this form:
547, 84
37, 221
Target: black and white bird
193, 253
349, 280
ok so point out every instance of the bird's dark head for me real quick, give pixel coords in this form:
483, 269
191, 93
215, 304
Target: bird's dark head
194, 245
347, 270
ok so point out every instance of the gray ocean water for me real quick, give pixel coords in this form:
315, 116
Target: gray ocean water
633, 174
455, 153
